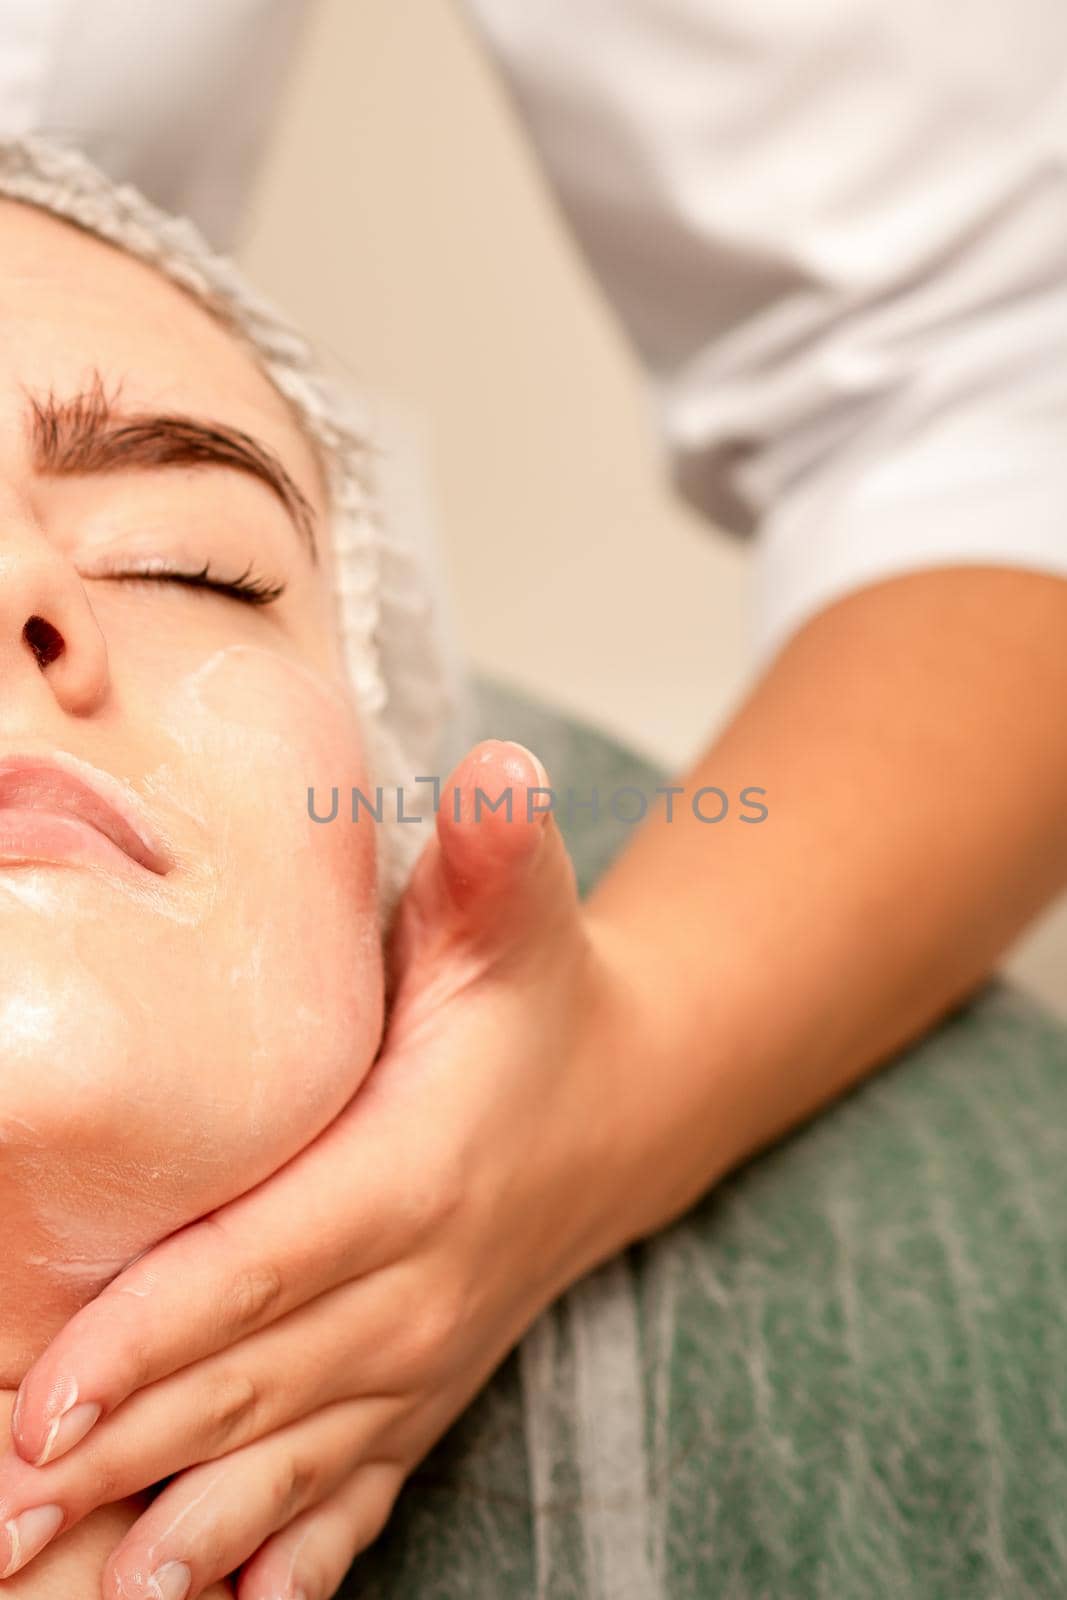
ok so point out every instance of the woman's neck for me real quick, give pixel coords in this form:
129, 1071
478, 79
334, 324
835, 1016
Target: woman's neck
38, 1297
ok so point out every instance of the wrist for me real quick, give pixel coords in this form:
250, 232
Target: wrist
661, 1135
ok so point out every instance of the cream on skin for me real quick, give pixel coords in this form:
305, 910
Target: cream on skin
168, 1039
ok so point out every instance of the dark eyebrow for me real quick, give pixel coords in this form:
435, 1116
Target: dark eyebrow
89, 433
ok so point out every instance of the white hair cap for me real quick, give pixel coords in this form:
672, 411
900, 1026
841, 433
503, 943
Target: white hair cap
406, 686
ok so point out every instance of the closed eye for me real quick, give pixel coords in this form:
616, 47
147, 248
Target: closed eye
247, 587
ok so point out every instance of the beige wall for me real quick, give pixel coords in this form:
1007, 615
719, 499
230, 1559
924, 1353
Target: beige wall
400, 218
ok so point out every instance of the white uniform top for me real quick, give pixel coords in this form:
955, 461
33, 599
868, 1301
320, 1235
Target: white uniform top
836, 230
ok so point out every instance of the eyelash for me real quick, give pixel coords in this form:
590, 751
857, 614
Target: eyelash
247, 588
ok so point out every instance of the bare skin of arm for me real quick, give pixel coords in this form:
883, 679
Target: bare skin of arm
912, 740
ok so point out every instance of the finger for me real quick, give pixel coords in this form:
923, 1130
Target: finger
308, 1360
497, 870
309, 1557
302, 1232
210, 1519
492, 812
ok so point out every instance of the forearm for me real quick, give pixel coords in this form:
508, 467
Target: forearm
911, 742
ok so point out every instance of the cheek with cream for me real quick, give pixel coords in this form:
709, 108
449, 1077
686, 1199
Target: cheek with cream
166, 1048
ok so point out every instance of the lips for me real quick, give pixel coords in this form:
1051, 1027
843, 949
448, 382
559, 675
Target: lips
57, 808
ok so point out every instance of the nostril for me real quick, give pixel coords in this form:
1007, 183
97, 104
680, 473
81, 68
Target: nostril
45, 641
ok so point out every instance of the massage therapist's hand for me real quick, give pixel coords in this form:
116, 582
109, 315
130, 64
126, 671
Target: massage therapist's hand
291, 1357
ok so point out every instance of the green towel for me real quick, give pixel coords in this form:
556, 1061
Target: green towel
840, 1376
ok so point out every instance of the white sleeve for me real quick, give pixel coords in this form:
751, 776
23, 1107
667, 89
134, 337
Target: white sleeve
837, 232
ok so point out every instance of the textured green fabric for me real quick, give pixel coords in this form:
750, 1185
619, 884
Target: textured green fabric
842, 1375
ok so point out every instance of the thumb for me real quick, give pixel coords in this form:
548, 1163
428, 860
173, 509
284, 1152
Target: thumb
497, 872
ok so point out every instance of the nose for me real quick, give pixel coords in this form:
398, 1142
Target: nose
48, 630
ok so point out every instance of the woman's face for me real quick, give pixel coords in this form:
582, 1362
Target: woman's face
173, 1028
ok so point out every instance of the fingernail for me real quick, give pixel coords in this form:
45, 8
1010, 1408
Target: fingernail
67, 1430
172, 1581
28, 1534
538, 764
